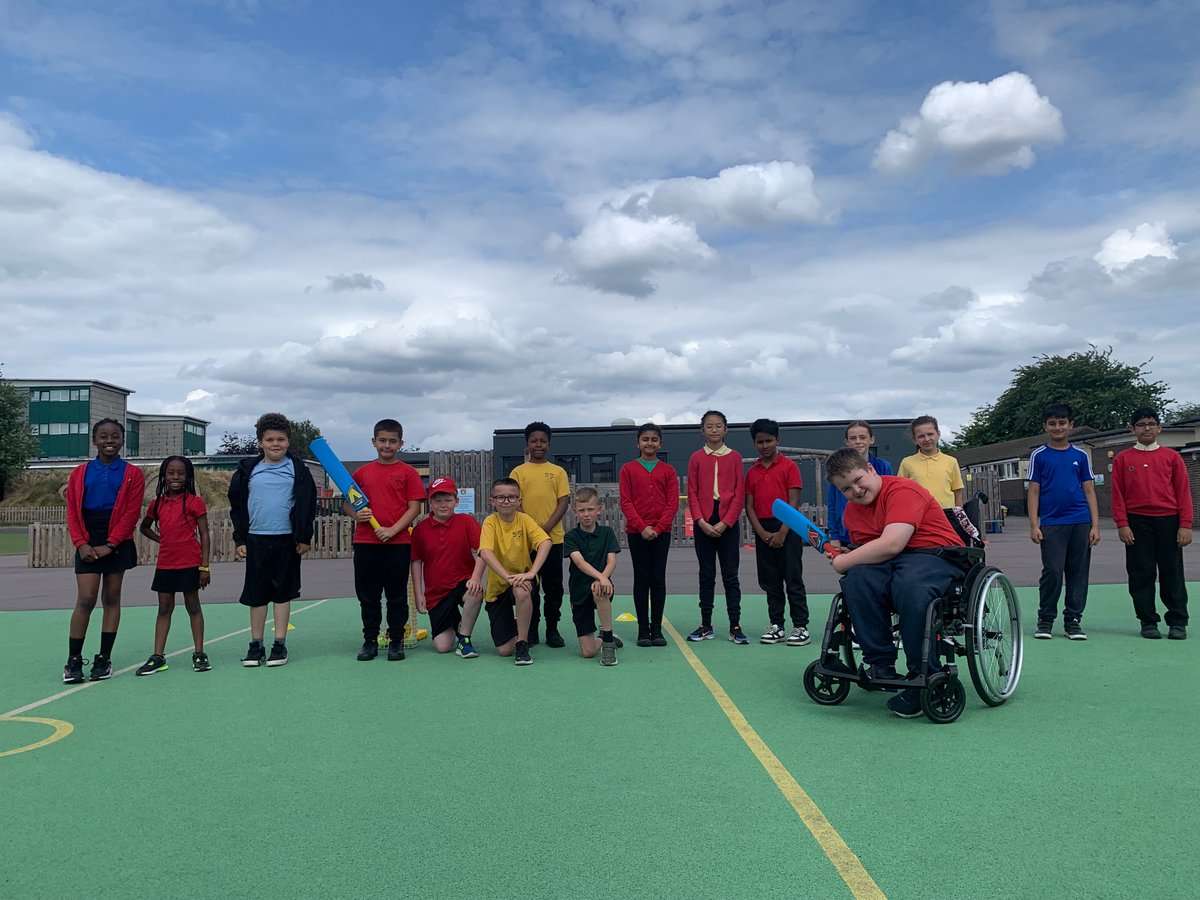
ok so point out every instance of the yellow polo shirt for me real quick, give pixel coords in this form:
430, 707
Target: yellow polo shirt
513, 543
938, 474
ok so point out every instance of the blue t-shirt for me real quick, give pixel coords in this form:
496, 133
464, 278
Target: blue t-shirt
271, 497
102, 483
835, 503
1060, 475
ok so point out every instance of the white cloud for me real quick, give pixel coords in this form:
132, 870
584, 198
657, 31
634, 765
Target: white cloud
655, 226
356, 282
1123, 247
987, 128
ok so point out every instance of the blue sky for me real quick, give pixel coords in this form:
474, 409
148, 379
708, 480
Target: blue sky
471, 215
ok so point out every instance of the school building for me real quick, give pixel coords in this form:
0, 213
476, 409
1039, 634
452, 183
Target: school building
62, 412
594, 455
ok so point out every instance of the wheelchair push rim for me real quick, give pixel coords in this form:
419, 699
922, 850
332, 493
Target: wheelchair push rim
994, 638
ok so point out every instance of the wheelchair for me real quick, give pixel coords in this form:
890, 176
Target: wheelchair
979, 618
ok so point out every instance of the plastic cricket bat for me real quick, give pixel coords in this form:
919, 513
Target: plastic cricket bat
341, 477
802, 524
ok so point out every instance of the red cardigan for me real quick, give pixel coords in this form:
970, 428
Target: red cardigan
1150, 483
700, 486
126, 510
649, 498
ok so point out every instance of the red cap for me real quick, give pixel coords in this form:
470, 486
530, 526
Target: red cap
442, 486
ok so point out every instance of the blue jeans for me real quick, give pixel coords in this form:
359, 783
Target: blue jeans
905, 584
1065, 555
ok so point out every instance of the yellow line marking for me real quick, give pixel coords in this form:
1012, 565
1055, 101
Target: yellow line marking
844, 860
61, 730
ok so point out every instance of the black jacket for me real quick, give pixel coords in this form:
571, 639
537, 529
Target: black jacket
304, 495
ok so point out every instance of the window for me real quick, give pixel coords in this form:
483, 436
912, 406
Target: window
43, 428
508, 463
58, 428
84, 393
570, 462
604, 467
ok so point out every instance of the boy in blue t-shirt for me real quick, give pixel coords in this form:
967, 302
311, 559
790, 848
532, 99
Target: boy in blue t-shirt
1063, 521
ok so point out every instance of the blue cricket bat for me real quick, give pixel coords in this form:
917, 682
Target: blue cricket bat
802, 524
341, 477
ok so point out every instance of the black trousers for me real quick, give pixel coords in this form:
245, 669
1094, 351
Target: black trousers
780, 571
649, 561
1155, 548
709, 551
379, 570
549, 584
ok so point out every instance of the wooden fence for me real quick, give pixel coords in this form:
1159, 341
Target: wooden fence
23, 515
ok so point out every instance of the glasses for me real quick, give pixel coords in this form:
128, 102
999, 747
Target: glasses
1145, 424
505, 498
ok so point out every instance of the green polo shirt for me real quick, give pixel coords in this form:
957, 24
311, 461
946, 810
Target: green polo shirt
594, 547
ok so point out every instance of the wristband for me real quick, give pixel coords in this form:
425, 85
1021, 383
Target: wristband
205, 569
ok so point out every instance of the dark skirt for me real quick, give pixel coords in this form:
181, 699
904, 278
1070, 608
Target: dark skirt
124, 557
176, 581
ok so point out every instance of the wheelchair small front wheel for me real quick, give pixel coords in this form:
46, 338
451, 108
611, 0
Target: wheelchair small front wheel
944, 698
824, 689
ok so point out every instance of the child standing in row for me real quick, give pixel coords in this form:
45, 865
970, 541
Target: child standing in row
272, 503
861, 437
1152, 509
777, 549
382, 555
1063, 521
545, 492
592, 549
929, 467
177, 520
515, 549
649, 492
446, 573
104, 500
716, 494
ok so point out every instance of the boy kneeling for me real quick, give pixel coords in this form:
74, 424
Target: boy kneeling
892, 520
593, 550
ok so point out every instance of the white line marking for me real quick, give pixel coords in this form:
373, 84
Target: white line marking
20, 711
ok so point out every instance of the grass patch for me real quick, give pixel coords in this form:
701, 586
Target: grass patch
14, 543
48, 487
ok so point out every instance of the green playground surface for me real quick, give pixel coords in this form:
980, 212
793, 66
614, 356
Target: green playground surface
443, 777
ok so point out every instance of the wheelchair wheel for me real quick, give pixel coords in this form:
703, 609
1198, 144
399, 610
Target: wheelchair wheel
994, 641
944, 698
824, 689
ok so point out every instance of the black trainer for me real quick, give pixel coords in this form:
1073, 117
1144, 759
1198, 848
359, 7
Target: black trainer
101, 668
656, 636
200, 662
255, 656
155, 663
906, 704
73, 670
521, 655
553, 638
370, 650
395, 651
278, 655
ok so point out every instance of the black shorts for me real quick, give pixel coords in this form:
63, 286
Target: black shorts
447, 614
584, 616
123, 558
174, 581
272, 570
502, 613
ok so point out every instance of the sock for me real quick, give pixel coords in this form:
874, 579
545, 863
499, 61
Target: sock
107, 639
282, 640
606, 636
75, 646
257, 645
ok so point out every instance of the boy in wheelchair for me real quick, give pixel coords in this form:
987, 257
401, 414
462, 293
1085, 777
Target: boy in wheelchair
899, 529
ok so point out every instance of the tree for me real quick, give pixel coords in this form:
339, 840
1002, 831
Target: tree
233, 444
303, 434
1184, 412
17, 442
1101, 390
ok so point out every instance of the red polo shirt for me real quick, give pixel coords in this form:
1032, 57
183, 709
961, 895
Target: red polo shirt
771, 483
905, 501
445, 550
178, 546
389, 488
